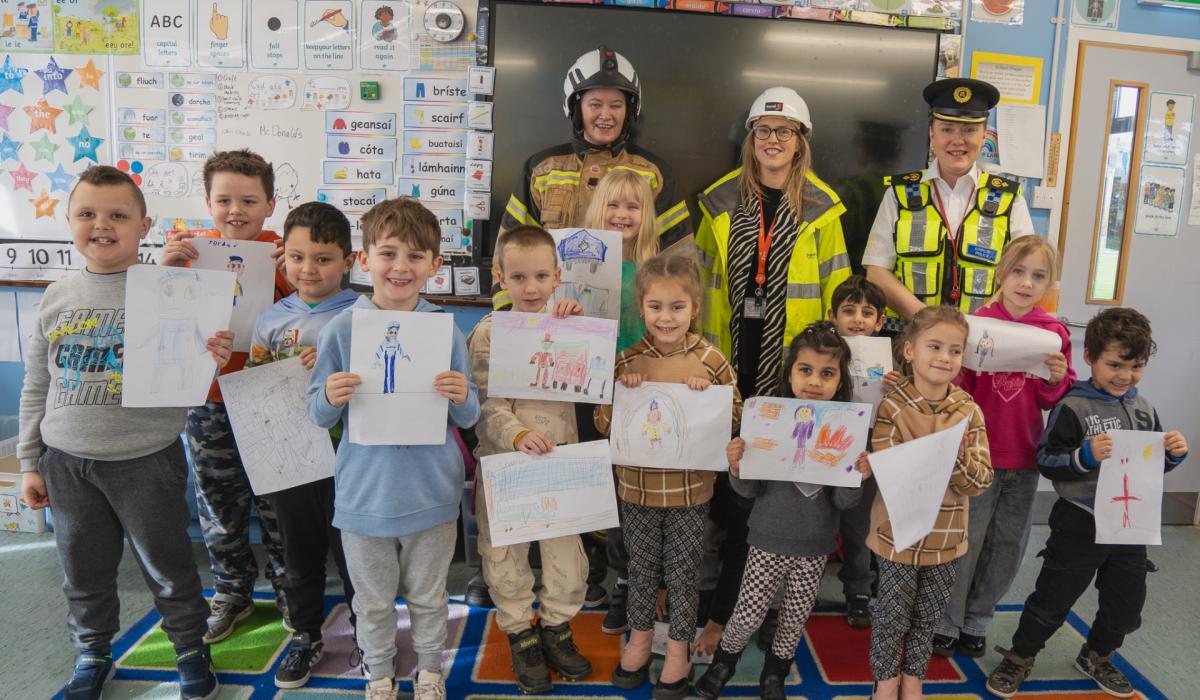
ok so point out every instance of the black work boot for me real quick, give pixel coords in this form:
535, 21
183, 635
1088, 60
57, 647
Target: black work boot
528, 664
774, 676
558, 646
722, 668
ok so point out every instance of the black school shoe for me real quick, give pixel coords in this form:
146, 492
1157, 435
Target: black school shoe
630, 680
719, 673
774, 677
477, 592
616, 621
945, 646
971, 645
858, 611
296, 668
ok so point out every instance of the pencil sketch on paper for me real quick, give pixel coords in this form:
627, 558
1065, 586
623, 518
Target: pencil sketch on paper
1129, 490
813, 442
254, 279
170, 315
669, 426
537, 356
279, 446
591, 270
565, 492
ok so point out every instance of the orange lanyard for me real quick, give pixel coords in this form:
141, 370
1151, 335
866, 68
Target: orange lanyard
764, 243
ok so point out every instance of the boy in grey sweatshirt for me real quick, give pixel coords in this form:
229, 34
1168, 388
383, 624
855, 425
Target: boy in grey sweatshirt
109, 471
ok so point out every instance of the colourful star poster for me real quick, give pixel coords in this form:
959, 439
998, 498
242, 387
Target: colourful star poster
96, 27
53, 126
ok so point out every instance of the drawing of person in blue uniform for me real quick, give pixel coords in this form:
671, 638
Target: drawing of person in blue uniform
597, 370
386, 355
237, 266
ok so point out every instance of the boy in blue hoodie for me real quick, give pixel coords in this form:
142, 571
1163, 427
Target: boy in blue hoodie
1116, 345
317, 257
393, 497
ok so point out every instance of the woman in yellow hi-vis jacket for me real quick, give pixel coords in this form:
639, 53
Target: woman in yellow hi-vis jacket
938, 233
771, 245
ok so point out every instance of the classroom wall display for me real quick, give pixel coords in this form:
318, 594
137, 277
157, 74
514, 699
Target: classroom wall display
813, 442
1099, 14
397, 354
1159, 196
1010, 12
537, 356
214, 75
566, 491
279, 446
254, 284
170, 313
671, 426
590, 260
1168, 129
53, 126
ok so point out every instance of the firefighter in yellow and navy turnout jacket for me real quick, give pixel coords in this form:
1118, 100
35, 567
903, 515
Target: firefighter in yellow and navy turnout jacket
939, 232
602, 98
805, 254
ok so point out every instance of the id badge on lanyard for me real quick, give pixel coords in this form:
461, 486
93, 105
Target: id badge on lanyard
755, 304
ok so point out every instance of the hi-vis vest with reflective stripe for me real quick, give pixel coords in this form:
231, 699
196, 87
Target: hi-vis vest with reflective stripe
818, 264
924, 257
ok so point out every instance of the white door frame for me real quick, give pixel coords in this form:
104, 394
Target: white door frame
1066, 104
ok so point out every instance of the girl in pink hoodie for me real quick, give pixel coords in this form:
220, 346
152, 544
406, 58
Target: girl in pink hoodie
1012, 404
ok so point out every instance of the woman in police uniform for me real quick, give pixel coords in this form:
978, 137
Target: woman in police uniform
938, 233
771, 244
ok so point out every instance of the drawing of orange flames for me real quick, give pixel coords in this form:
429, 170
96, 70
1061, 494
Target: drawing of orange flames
763, 443
770, 410
831, 446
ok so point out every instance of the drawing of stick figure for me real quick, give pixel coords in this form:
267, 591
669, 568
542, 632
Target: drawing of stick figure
177, 337
389, 350
805, 421
654, 426
543, 360
597, 370
1124, 499
237, 266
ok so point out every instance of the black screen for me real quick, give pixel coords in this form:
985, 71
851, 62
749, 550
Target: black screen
699, 75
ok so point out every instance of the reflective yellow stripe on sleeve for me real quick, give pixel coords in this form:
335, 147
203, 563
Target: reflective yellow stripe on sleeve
672, 216
649, 175
517, 210
555, 177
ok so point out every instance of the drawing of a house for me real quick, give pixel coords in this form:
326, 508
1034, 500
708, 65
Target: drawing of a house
582, 247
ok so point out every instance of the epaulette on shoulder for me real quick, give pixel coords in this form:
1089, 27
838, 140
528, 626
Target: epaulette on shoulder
904, 178
1002, 184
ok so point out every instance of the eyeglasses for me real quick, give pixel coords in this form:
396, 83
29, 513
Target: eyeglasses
783, 133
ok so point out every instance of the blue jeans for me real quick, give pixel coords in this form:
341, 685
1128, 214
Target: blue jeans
998, 525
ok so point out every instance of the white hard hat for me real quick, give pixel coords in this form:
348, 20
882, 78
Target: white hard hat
602, 68
780, 102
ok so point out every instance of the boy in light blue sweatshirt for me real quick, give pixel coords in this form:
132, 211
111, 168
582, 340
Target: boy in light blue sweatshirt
396, 497
317, 256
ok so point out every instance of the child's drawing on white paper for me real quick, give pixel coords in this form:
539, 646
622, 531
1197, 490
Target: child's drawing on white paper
537, 356
564, 492
591, 270
253, 285
170, 313
279, 446
1129, 490
670, 426
813, 442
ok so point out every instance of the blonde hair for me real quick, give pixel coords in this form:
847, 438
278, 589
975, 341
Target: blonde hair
1020, 248
749, 184
676, 268
623, 183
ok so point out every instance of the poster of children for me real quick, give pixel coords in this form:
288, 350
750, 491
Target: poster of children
25, 25
97, 26
1159, 196
1168, 128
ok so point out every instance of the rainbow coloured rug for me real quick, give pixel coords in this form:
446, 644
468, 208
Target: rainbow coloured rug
831, 661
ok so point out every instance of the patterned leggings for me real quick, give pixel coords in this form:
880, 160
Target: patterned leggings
764, 572
911, 602
664, 546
